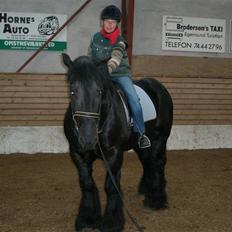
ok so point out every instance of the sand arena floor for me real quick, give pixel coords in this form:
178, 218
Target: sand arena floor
40, 193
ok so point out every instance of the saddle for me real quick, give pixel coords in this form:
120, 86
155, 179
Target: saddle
148, 108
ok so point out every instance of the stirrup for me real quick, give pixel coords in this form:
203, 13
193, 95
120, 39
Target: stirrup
144, 141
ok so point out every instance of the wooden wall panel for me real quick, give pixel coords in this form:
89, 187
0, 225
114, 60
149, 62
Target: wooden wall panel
201, 90
33, 99
145, 65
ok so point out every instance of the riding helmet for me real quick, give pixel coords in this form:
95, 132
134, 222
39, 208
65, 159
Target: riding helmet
111, 12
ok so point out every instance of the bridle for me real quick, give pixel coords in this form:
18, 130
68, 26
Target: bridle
87, 114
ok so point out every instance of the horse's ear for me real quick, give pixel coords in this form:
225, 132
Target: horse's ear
67, 61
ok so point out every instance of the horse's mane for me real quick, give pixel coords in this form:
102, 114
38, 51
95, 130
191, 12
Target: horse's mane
83, 70
87, 71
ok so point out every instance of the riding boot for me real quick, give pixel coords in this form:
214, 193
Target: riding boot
144, 141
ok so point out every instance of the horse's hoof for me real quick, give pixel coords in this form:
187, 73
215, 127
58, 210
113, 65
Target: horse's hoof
111, 226
114, 229
157, 204
142, 189
89, 230
84, 227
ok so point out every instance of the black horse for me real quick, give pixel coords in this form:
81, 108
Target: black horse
95, 123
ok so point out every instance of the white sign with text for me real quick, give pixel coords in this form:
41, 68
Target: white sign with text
193, 34
230, 36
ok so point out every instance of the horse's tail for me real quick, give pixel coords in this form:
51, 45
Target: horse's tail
162, 101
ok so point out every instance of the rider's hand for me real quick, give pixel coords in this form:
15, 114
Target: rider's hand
116, 56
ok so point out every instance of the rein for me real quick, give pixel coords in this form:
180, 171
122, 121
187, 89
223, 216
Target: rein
97, 116
139, 228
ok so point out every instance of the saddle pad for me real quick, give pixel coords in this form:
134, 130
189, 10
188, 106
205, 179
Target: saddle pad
148, 108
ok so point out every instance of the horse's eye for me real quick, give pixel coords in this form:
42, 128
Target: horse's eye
100, 92
73, 92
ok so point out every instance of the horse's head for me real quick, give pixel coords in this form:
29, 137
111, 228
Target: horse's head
86, 99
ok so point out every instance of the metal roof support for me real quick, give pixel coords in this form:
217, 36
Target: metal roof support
128, 24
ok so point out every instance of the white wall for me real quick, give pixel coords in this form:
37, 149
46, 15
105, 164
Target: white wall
52, 140
147, 41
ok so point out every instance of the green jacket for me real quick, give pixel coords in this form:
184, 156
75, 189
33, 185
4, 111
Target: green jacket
100, 49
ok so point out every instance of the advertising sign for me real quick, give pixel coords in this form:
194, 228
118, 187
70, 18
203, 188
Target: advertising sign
193, 34
230, 35
29, 31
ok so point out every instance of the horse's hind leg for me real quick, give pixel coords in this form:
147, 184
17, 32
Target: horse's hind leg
153, 182
89, 215
113, 219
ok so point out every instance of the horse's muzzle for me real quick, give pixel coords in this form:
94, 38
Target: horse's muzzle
87, 144
87, 130
86, 137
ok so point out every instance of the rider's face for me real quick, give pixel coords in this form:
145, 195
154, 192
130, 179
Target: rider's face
109, 25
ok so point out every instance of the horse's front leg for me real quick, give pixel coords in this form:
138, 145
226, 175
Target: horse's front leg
89, 214
113, 219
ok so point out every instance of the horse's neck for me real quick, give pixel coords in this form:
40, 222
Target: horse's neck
112, 93
114, 102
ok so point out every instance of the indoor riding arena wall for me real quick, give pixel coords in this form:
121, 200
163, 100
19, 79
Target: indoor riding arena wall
33, 102
32, 106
